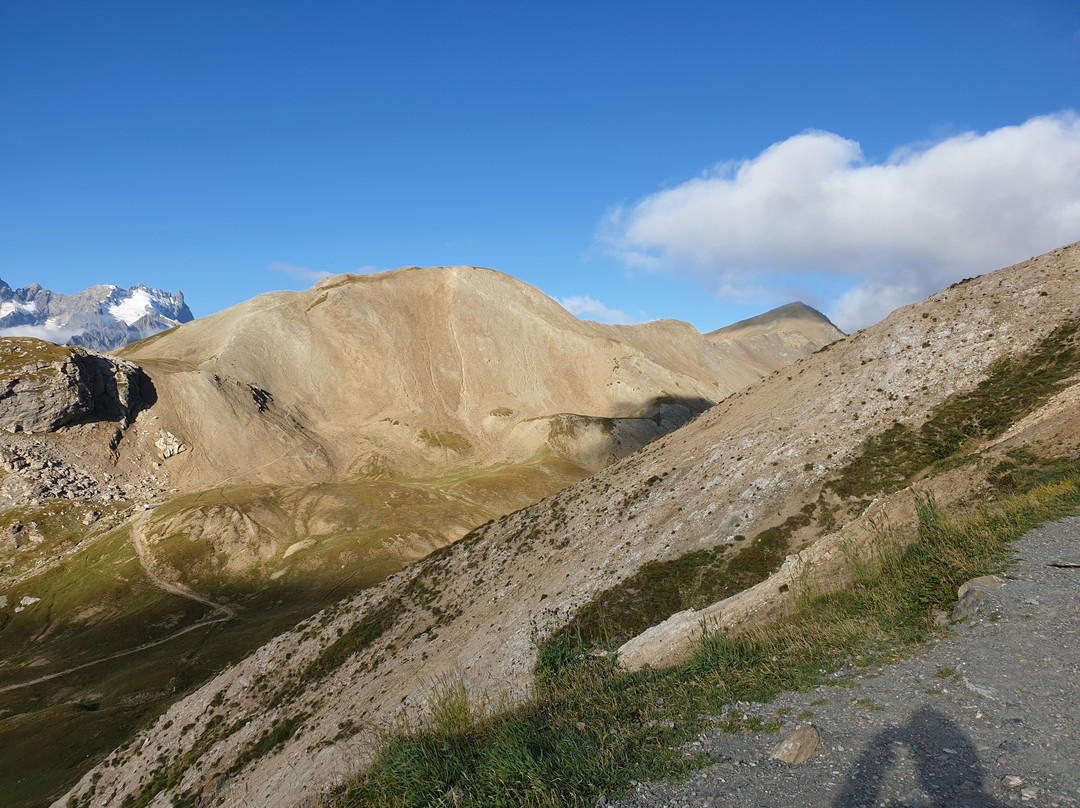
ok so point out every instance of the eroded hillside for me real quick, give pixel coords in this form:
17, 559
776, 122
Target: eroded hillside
417, 371
985, 367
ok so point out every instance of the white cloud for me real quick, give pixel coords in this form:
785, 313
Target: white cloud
300, 273
870, 302
58, 335
586, 308
900, 229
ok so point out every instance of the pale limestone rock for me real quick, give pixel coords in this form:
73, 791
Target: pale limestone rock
974, 596
982, 582
168, 444
799, 746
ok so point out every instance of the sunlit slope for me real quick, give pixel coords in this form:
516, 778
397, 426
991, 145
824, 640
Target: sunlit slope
331, 438
420, 369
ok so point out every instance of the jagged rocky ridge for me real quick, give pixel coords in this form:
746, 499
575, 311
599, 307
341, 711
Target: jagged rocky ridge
469, 611
101, 318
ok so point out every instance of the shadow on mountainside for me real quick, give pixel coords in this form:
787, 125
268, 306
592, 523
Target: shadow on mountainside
109, 401
52, 730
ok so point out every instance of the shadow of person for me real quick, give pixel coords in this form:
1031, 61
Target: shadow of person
944, 758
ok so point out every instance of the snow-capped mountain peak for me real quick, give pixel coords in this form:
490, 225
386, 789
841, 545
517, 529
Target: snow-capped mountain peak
103, 317
132, 305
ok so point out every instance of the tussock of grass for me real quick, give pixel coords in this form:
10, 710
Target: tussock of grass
661, 588
590, 728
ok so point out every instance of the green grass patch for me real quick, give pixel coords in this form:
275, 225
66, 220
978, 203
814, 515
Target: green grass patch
358, 637
446, 440
589, 728
57, 527
279, 732
18, 354
1013, 388
661, 588
98, 601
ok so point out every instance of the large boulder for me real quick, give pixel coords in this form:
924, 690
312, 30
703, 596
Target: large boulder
45, 386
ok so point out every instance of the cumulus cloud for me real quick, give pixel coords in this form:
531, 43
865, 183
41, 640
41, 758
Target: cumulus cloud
300, 273
586, 308
897, 230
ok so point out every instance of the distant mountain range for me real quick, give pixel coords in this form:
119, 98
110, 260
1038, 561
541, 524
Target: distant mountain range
103, 317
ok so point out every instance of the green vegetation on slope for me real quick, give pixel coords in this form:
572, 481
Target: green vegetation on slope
343, 536
18, 352
589, 728
884, 464
661, 588
1013, 388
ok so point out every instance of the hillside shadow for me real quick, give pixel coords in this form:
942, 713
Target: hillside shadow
53, 732
945, 761
108, 398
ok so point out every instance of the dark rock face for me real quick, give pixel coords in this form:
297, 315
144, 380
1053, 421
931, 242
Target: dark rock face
42, 389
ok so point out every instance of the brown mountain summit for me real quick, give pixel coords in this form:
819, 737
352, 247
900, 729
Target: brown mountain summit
417, 369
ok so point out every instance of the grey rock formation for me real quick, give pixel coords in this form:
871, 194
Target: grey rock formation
102, 317
974, 596
42, 389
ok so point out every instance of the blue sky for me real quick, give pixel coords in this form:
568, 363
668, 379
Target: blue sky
702, 161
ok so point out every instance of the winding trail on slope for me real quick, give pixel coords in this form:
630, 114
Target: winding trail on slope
143, 551
118, 654
138, 540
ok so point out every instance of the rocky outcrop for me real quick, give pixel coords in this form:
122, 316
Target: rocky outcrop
168, 445
44, 387
37, 474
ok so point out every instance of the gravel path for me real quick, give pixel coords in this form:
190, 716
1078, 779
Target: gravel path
988, 715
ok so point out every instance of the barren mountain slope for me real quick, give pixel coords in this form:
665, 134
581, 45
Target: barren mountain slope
771, 340
298, 714
374, 418
417, 370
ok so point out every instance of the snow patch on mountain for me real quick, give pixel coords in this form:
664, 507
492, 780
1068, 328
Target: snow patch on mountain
103, 317
140, 302
10, 307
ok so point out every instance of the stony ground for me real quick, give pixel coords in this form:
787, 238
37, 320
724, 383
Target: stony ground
987, 715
